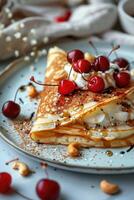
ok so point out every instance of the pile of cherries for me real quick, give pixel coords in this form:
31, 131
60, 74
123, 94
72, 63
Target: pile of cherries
95, 82
46, 189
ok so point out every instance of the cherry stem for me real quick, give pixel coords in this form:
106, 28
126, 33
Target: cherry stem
8, 162
116, 55
114, 48
70, 72
83, 78
15, 97
94, 47
43, 84
44, 166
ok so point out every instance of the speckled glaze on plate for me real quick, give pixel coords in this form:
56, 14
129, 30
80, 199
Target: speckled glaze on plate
93, 160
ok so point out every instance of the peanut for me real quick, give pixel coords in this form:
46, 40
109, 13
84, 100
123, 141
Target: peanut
73, 149
21, 167
108, 187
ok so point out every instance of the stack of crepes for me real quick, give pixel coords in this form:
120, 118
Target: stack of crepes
91, 119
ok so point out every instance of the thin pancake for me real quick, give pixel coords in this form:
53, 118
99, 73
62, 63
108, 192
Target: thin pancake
56, 112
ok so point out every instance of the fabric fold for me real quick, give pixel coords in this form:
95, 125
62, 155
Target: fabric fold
25, 34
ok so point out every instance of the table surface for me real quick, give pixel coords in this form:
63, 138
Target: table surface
74, 186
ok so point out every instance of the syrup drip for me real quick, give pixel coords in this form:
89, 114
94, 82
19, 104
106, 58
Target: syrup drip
130, 148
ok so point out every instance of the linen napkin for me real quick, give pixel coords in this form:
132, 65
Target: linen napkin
25, 27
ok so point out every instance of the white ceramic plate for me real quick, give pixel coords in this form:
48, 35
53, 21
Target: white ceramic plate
92, 160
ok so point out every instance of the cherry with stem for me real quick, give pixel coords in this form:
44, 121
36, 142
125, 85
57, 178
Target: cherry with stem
82, 66
102, 62
11, 109
46, 188
96, 84
65, 86
120, 61
73, 56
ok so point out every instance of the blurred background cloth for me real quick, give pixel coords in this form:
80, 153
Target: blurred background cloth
26, 25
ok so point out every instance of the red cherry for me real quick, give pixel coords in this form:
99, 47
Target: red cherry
122, 79
11, 109
95, 65
48, 189
102, 63
82, 66
66, 87
121, 62
74, 55
5, 182
96, 84
63, 18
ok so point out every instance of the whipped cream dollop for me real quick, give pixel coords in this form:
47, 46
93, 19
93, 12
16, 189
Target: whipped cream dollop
107, 76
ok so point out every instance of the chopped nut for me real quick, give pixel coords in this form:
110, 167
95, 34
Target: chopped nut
108, 187
22, 168
60, 75
89, 57
32, 92
73, 149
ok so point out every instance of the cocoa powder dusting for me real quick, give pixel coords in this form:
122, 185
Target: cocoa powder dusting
23, 127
